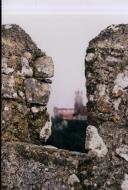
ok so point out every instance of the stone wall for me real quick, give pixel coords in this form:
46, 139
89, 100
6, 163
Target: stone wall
26, 73
106, 64
107, 77
25, 92
26, 164
31, 167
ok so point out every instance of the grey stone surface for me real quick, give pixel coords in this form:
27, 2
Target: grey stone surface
8, 87
46, 131
107, 76
124, 185
25, 94
106, 64
24, 97
122, 151
36, 92
94, 143
74, 182
27, 166
43, 67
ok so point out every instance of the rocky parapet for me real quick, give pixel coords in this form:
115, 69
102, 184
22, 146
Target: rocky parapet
107, 76
28, 166
25, 93
25, 86
106, 64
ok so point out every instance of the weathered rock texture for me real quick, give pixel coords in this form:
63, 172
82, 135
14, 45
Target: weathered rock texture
94, 143
107, 76
27, 166
107, 91
25, 92
25, 86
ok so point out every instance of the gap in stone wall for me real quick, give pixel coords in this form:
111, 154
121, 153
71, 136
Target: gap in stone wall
68, 129
69, 135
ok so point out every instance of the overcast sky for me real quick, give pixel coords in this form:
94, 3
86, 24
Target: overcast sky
65, 5
63, 30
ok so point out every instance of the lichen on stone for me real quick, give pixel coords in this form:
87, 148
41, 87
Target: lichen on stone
20, 87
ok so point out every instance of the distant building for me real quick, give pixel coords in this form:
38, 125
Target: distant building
78, 112
79, 107
65, 113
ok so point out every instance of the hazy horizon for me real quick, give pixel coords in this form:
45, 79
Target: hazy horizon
65, 38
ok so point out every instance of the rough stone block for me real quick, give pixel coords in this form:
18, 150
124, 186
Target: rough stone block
36, 92
43, 67
8, 87
107, 76
23, 115
28, 166
14, 121
94, 143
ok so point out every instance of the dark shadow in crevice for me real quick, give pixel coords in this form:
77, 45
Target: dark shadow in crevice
68, 134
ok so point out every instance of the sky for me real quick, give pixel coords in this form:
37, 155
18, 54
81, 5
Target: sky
65, 5
63, 30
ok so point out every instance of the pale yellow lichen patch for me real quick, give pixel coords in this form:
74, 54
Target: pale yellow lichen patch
8, 42
11, 43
